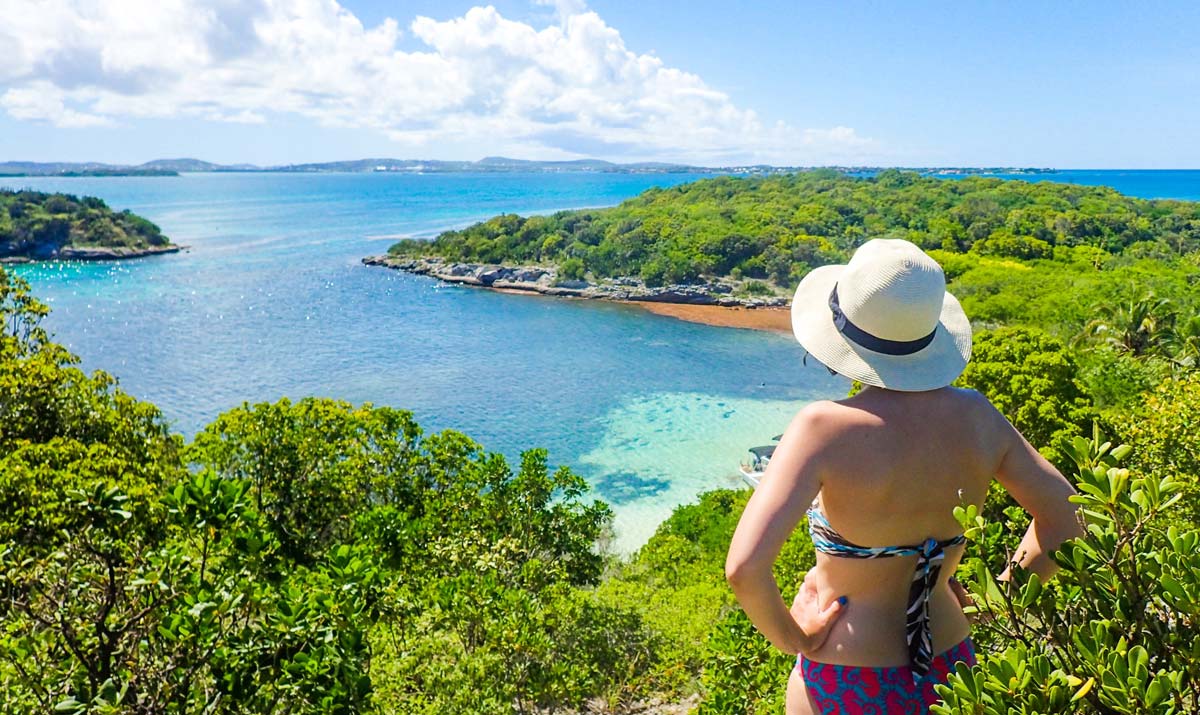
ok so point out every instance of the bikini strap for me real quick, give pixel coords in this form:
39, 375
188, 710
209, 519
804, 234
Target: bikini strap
930, 556
916, 620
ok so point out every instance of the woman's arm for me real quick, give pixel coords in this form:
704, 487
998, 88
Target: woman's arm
1044, 493
788, 487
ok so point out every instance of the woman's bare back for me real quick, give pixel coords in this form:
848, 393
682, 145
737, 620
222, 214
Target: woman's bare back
888, 469
895, 466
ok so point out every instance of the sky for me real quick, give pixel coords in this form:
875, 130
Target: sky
1065, 84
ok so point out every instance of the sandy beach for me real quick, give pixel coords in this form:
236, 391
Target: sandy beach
776, 320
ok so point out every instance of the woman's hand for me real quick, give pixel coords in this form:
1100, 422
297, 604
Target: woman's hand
812, 619
960, 593
979, 615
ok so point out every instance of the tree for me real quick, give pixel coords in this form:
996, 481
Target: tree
268, 566
1162, 431
312, 465
132, 585
1140, 326
1032, 379
1182, 344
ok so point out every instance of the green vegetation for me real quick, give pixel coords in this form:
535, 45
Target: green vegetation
1086, 314
676, 583
307, 557
1033, 380
34, 224
780, 227
1114, 631
315, 556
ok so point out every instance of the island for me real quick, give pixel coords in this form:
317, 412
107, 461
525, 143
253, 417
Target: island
746, 242
35, 225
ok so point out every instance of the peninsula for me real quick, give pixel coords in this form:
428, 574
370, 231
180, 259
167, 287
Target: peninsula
721, 302
42, 226
746, 242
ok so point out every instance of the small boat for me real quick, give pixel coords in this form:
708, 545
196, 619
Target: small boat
752, 469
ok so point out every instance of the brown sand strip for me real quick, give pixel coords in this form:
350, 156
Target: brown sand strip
775, 319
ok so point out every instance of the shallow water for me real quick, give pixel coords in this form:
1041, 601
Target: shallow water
272, 301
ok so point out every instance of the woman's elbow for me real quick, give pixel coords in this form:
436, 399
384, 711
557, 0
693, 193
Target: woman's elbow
1063, 525
1073, 525
734, 571
1070, 516
742, 570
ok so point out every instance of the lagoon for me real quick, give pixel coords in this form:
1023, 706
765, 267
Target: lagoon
271, 301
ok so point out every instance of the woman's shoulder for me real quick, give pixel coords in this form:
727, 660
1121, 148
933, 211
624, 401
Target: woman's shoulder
863, 409
975, 401
820, 412
868, 408
829, 418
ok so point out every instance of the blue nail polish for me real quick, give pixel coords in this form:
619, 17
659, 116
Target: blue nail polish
842, 600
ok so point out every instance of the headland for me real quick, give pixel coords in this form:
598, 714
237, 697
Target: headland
712, 302
37, 226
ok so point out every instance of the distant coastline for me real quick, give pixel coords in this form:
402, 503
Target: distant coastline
728, 242
492, 164
70, 173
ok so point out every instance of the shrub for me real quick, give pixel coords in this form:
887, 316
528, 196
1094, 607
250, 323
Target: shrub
758, 288
1162, 431
1114, 631
1032, 379
279, 572
572, 269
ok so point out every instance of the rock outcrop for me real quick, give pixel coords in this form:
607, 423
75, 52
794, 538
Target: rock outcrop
545, 280
93, 253
103, 253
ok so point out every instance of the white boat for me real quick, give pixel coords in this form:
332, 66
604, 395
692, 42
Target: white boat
752, 468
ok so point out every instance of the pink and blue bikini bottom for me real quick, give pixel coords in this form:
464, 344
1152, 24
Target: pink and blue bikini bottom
857, 690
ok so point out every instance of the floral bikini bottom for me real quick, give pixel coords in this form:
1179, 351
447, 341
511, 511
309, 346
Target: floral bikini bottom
857, 690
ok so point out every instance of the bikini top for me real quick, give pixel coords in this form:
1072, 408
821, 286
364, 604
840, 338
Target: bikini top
930, 555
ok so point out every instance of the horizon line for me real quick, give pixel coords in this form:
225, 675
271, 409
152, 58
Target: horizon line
249, 166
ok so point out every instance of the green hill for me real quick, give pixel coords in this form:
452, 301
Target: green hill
779, 227
35, 225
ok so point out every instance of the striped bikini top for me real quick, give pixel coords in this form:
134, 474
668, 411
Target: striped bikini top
930, 555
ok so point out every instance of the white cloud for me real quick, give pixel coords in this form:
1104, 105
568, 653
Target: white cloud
43, 101
571, 88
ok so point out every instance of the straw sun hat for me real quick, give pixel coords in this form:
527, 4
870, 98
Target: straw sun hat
885, 319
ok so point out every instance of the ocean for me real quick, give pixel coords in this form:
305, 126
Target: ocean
271, 301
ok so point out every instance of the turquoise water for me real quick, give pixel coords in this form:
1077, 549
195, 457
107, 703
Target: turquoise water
272, 301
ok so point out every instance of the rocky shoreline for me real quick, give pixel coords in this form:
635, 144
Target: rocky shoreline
545, 281
96, 253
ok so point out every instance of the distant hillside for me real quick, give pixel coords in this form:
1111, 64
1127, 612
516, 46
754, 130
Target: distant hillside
172, 167
33, 168
497, 164
36, 225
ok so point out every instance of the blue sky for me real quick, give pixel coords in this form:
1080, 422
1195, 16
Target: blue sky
1069, 84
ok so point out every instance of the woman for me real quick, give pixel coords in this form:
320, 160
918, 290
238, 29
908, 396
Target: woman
876, 623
